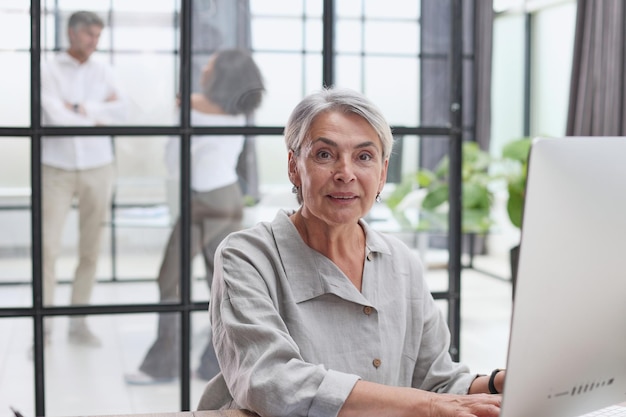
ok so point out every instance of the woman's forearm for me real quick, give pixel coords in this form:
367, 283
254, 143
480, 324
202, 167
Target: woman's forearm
370, 399
377, 400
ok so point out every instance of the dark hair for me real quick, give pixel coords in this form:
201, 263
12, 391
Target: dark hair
235, 83
84, 18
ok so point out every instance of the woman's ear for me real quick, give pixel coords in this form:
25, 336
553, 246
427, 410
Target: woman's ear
292, 168
383, 175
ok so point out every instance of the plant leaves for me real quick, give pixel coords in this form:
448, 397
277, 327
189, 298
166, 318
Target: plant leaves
436, 196
515, 208
517, 150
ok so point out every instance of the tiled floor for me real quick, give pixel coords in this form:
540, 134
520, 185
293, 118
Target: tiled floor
73, 374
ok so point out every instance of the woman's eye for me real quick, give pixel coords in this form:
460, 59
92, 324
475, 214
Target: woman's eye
365, 157
323, 154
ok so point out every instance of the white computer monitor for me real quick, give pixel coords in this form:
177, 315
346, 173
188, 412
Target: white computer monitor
567, 350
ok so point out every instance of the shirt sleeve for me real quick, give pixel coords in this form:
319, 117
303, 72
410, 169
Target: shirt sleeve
108, 110
52, 102
113, 109
260, 361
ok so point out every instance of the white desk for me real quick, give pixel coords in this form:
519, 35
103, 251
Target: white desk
216, 413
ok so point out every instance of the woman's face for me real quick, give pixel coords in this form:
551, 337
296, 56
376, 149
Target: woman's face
340, 168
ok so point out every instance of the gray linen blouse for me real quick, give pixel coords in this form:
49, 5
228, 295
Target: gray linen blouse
293, 334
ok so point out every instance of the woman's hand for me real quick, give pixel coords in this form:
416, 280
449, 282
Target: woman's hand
376, 400
473, 405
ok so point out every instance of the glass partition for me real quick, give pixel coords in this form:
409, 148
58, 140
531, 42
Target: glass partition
15, 63
137, 47
17, 382
15, 222
377, 42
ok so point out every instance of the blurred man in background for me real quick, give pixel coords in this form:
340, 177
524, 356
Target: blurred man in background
77, 90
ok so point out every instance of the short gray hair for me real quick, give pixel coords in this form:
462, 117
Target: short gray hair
84, 18
335, 99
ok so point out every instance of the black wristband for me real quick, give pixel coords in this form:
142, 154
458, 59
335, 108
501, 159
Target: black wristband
75, 108
491, 385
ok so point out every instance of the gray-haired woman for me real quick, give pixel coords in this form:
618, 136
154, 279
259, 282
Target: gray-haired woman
315, 313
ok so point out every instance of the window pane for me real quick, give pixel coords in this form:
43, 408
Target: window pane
125, 241
507, 80
150, 82
135, 61
552, 49
219, 190
349, 37
312, 73
144, 31
278, 7
283, 85
94, 5
54, 19
15, 87
274, 184
16, 4
273, 164
283, 60
15, 222
390, 81
313, 35
348, 8
143, 209
15, 20
203, 360
392, 37
16, 384
269, 34
398, 95
349, 71
392, 8
77, 376
159, 6
377, 36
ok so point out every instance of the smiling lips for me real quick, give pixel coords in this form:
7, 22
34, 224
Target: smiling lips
342, 197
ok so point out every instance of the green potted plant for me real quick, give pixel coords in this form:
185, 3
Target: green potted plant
515, 153
477, 197
515, 158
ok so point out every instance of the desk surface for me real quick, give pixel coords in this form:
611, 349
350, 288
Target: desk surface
216, 413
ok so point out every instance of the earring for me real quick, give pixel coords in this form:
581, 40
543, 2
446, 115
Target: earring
294, 189
378, 199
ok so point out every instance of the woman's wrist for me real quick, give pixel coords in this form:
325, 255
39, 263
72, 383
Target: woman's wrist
496, 381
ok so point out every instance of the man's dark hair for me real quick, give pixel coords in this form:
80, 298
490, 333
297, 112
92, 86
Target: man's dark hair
235, 83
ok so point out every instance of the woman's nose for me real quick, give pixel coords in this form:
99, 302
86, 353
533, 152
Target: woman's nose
344, 170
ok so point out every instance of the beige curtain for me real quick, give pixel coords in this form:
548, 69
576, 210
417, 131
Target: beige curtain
597, 89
